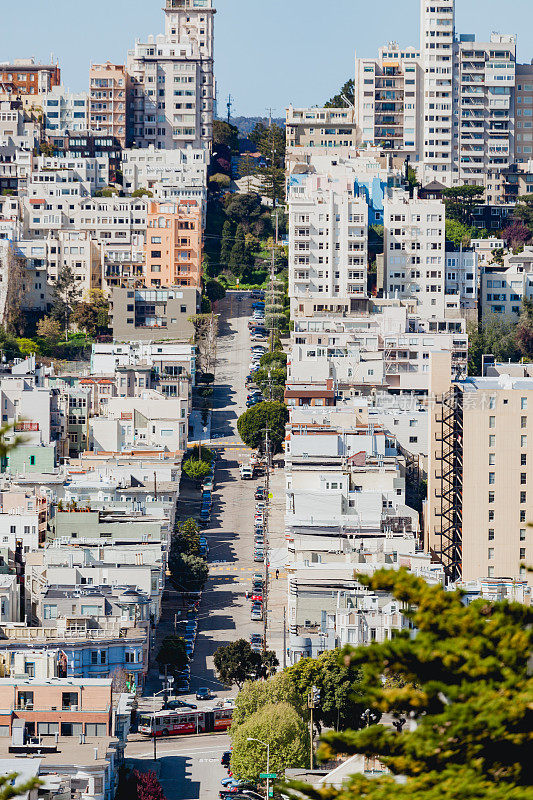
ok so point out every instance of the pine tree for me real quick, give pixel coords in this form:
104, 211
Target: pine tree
226, 243
237, 260
463, 685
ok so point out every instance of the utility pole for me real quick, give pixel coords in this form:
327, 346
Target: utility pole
228, 106
313, 700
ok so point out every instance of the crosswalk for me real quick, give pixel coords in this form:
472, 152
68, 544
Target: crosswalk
233, 570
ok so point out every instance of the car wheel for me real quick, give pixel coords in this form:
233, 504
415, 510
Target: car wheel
165, 732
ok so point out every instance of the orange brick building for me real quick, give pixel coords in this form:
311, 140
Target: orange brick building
174, 244
24, 77
59, 705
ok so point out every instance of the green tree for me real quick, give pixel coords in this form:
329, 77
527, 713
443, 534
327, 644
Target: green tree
186, 539
142, 192
342, 702
226, 134
495, 335
280, 688
215, 291
282, 728
28, 347
458, 233
49, 329
346, 92
523, 210
237, 261
196, 470
253, 423
188, 573
65, 295
272, 183
460, 202
524, 329
219, 181
226, 243
92, 316
236, 663
202, 454
412, 179
467, 694
8, 345
172, 653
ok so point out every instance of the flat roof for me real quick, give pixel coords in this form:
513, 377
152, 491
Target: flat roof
69, 751
56, 682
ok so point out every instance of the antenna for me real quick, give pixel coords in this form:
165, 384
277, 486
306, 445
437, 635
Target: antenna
228, 106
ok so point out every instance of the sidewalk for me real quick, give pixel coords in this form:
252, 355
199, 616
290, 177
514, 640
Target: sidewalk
277, 596
197, 431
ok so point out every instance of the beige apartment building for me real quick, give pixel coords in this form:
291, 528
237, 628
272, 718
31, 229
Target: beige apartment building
110, 89
321, 127
480, 475
524, 113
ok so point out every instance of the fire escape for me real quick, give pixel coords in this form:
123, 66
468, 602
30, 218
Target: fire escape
451, 484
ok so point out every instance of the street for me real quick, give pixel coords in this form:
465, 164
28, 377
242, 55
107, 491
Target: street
224, 613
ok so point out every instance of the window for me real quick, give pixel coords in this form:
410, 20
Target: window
491, 534
522, 552
94, 656
69, 700
90, 611
523, 422
491, 572
491, 553
522, 534
522, 497
523, 478
47, 728
523, 441
491, 497
492, 440
523, 459
523, 403
50, 612
492, 459
25, 700
522, 515
95, 729
492, 422
71, 728
492, 477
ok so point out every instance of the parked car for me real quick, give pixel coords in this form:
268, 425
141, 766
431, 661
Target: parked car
182, 687
259, 556
225, 759
257, 576
204, 693
260, 493
256, 614
208, 484
205, 515
174, 704
256, 638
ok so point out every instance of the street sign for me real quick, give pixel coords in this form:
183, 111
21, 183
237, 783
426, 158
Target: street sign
271, 776
271, 792
270, 495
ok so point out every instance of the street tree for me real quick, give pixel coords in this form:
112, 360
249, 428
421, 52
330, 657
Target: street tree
254, 422
215, 291
226, 134
491, 335
467, 695
186, 539
145, 786
188, 573
282, 728
516, 234
237, 260
92, 315
254, 695
173, 653
236, 663
226, 244
196, 470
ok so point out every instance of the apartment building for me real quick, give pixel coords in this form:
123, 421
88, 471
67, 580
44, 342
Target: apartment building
504, 288
173, 81
328, 241
437, 33
109, 100
484, 75
322, 127
164, 358
174, 244
64, 111
524, 113
169, 174
461, 283
414, 251
153, 314
479, 472
24, 77
94, 171
389, 99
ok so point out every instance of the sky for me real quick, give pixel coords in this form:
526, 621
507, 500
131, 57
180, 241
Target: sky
267, 53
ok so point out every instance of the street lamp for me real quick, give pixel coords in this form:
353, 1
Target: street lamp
267, 745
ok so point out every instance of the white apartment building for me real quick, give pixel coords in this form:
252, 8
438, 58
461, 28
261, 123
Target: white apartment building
485, 248
179, 357
65, 111
389, 98
148, 168
503, 289
149, 421
524, 112
437, 33
328, 241
94, 171
414, 251
461, 282
47, 183
47, 256
173, 81
484, 83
